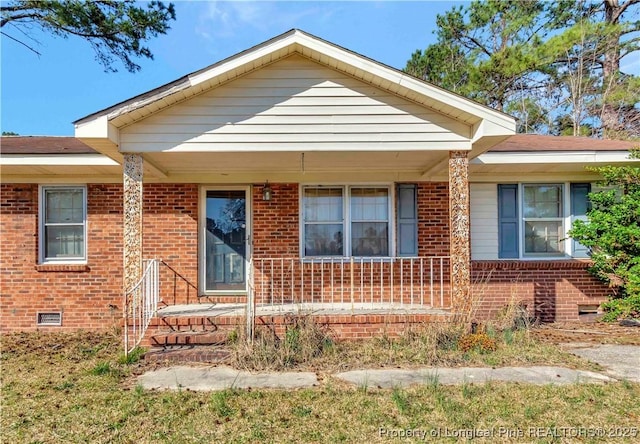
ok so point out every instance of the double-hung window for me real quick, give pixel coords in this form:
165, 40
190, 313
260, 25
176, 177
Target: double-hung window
534, 219
346, 221
63, 217
542, 207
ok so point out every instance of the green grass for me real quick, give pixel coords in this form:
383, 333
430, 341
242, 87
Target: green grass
52, 392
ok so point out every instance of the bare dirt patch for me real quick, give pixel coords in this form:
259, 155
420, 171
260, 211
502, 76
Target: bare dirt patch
586, 333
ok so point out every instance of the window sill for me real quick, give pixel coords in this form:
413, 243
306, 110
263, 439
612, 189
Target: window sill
53, 268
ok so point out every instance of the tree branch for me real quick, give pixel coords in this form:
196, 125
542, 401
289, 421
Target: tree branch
21, 42
623, 8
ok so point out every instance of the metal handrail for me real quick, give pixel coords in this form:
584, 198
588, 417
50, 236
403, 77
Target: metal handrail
141, 304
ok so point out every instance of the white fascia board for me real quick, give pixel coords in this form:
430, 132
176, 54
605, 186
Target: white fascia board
241, 60
490, 128
502, 158
57, 160
99, 128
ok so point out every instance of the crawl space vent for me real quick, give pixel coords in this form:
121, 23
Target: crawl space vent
49, 318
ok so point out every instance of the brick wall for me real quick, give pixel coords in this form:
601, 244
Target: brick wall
551, 290
433, 219
170, 230
88, 296
276, 230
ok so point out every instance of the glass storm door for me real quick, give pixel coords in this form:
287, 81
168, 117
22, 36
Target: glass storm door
225, 240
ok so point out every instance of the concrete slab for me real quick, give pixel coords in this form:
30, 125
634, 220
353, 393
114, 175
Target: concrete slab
540, 375
316, 309
620, 361
221, 378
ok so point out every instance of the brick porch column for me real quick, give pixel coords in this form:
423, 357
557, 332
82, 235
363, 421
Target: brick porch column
132, 224
460, 250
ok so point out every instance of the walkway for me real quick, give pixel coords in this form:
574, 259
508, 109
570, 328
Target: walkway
620, 362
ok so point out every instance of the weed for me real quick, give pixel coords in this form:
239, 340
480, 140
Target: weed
507, 336
301, 411
66, 385
133, 356
101, 369
303, 341
234, 336
219, 404
401, 400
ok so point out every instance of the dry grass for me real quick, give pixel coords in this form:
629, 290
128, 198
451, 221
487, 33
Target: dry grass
73, 388
308, 346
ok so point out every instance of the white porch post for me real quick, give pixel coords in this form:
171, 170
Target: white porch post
460, 250
132, 224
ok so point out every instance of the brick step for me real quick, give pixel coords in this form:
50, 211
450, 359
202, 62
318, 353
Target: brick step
217, 337
192, 353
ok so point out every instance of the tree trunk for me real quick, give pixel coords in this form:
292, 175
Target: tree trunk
610, 68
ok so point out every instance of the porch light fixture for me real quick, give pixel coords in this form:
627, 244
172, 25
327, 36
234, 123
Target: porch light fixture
267, 192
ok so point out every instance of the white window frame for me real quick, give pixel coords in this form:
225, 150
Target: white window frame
567, 250
346, 212
42, 189
561, 218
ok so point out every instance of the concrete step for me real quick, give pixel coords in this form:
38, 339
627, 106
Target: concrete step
184, 354
216, 337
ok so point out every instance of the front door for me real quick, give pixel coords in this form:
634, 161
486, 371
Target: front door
225, 240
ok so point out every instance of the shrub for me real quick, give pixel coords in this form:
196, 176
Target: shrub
612, 233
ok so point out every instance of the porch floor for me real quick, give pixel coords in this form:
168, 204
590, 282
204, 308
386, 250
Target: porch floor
327, 309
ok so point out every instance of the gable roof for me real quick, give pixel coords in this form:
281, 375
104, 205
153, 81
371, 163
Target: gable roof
537, 143
315, 49
43, 145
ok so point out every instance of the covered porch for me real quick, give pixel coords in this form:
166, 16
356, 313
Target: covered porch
343, 181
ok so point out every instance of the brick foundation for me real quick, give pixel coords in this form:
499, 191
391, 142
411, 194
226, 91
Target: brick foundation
551, 290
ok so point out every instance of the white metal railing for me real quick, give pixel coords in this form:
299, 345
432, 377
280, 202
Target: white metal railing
141, 304
347, 283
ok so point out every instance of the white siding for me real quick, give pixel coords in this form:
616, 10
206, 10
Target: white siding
484, 221
299, 105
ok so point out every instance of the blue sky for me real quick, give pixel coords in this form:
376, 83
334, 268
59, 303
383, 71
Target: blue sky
42, 95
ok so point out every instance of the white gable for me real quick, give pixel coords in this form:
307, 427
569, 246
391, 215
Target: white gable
295, 105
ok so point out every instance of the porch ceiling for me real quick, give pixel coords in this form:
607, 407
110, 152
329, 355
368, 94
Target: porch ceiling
36, 167
300, 166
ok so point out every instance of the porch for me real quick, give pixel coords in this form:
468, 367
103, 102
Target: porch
351, 298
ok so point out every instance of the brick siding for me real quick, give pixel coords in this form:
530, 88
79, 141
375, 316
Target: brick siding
90, 296
550, 290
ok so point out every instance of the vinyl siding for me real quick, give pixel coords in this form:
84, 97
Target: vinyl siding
484, 221
294, 104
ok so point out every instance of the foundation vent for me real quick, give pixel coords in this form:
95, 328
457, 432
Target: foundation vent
51, 318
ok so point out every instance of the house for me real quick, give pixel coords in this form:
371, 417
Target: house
295, 175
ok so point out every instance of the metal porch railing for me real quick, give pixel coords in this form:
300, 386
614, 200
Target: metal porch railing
350, 283
141, 304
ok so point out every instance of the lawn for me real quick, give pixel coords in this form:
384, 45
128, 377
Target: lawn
77, 388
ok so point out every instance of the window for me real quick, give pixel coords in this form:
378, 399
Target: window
534, 219
346, 221
543, 219
63, 224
